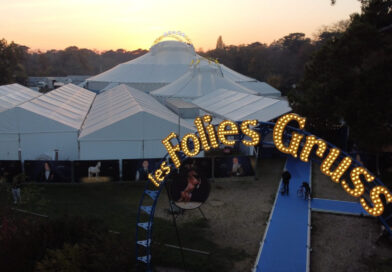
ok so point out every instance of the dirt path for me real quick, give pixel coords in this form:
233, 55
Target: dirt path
347, 243
238, 209
323, 187
344, 243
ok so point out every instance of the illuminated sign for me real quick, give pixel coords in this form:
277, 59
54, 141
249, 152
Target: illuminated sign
208, 137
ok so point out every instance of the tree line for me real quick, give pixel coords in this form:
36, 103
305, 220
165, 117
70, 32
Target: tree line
280, 64
17, 62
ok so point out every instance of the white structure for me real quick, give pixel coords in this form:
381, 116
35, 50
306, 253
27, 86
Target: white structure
48, 122
166, 62
200, 80
14, 94
125, 123
227, 104
261, 88
11, 96
184, 109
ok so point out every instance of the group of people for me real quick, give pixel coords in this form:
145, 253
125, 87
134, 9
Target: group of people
286, 176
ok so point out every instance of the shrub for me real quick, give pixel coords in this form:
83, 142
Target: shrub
69, 244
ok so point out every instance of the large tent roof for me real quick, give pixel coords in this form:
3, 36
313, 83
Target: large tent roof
121, 102
164, 63
233, 75
241, 106
200, 80
68, 105
13, 95
261, 88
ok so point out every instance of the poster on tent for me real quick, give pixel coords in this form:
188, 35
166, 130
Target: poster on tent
138, 169
9, 169
234, 166
48, 171
96, 171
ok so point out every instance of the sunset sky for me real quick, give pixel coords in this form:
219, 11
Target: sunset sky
129, 24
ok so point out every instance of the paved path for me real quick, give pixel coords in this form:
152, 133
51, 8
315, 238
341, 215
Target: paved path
284, 247
336, 206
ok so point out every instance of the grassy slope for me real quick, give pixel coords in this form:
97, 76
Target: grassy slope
116, 205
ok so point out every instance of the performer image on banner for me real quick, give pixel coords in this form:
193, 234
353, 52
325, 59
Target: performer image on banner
142, 172
236, 169
47, 174
190, 189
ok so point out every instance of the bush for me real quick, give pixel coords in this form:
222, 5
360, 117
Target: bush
33, 197
19, 178
70, 244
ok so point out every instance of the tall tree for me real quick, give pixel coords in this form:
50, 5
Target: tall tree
219, 43
11, 63
349, 79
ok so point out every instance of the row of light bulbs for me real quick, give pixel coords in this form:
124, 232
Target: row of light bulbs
209, 137
330, 160
378, 207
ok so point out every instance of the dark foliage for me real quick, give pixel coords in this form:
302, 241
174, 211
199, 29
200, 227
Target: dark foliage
76, 61
29, 244
349, 80
280, 64
12, 57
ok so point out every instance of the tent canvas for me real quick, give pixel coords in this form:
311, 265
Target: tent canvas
125, 123
11, 96
48, 122
261, 88
240, 106
14, 94
200, 80
165, 63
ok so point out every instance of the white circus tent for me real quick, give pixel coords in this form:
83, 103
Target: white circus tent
11, 96
227, 104
166, 62
200, 80
48, 122
125, 123
261, 88
14, 94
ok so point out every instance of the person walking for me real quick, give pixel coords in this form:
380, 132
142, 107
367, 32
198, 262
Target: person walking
286, 176
16, 190
306, 189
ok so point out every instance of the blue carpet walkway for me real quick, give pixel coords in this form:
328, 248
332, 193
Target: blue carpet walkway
285, 245
336, 206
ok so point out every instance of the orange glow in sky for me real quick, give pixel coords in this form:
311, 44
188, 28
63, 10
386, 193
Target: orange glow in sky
129, 24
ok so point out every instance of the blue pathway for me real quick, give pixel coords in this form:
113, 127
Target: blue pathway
336, 206
285, 244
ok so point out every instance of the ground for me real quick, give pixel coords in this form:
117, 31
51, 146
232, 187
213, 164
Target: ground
347, 243
237, 211
323, 187
341, 242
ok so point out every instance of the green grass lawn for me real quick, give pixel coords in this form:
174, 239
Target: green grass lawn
115, 205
